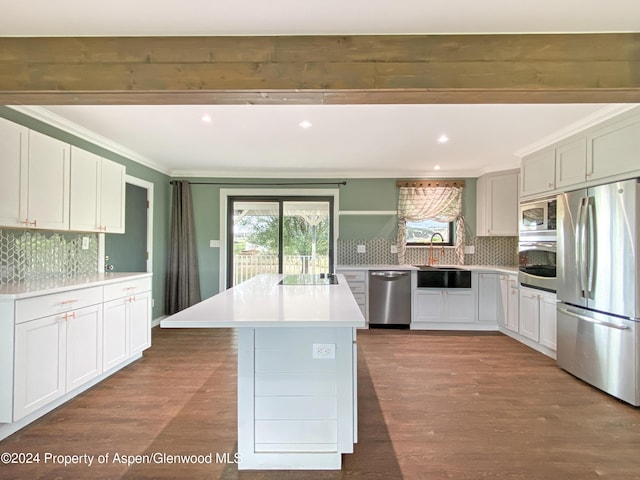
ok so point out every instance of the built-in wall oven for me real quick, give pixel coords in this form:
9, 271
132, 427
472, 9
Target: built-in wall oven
537, 264
537, 246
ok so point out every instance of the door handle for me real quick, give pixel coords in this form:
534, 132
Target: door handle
573, 314
581, 246
591, 248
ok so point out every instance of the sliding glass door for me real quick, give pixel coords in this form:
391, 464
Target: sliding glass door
292, 235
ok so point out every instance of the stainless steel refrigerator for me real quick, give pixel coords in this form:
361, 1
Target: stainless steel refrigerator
598, 287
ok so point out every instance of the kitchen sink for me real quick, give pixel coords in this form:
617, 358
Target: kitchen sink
434, 276
440, 267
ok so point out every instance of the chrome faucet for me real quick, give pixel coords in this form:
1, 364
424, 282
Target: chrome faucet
432, 259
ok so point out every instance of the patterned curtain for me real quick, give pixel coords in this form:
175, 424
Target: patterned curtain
442, 204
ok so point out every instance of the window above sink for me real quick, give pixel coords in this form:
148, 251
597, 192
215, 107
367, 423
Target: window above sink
424, 232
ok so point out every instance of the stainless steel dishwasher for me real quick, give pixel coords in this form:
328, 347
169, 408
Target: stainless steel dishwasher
389, 297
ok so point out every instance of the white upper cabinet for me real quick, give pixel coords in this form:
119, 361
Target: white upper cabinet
537, 174
13, 181
571, 163
97, 193
615, 149
497, 204
112, 196
34, 186
85, 185
48, 183
605, 152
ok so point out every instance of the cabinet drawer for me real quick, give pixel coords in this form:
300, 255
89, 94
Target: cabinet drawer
38, 307
361, 298
354, 275
126, 288
357, 288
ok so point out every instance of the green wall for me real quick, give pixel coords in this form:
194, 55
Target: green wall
161, 191
382, 194
359, 194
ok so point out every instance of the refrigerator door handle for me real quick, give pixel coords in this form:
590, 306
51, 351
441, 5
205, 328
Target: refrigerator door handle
573, 314
592, 248
581, 247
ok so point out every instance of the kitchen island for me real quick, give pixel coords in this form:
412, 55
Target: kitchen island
297, 389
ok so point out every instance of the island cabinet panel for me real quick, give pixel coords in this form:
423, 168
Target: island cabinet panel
296, 435
295, 383
296, 396
297, 359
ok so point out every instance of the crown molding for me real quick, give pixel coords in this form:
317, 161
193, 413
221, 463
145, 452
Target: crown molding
61, 123
306, 174
591, 120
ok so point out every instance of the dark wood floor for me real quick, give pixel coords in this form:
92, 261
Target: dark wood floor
432, 406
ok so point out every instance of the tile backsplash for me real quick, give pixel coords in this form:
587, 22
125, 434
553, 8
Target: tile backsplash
28, 255
488, 251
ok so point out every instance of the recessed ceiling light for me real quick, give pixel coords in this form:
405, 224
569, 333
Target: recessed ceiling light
443, 138
437, 167
305, 124
206, 118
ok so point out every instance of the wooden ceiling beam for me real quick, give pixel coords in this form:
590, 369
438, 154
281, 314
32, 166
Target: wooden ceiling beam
582, 68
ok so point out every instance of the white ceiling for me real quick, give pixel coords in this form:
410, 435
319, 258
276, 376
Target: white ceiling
317, 17
344, 141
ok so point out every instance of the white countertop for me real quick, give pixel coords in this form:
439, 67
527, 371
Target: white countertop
479, 268
261, 302
18, 290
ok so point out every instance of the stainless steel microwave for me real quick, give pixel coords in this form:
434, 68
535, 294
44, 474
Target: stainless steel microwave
538, 217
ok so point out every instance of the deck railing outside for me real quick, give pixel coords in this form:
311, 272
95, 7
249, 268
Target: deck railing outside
247, 266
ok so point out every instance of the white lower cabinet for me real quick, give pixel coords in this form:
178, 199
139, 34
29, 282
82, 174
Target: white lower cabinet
513, 303
357, 280
530, 314
115, 337
537, 320
39, 376
54, 355
64, 342
84, 346
127, 324
127, 328
498, 299
548, 322
489, 298
443, 309
139, 310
